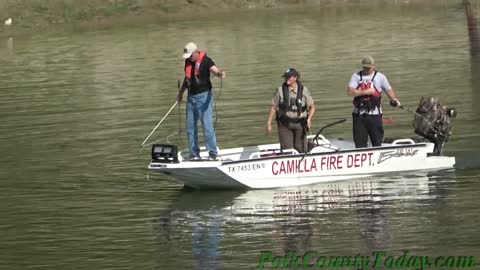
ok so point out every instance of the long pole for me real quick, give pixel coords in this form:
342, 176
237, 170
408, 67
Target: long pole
175, 104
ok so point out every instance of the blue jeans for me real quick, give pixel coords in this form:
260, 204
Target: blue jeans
200, 106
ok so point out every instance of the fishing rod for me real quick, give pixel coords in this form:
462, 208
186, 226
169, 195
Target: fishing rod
394, 103
179, 119
179, 111
159, 123
216, 100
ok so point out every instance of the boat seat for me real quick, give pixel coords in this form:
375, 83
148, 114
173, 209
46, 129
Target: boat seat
416, 139
403, 141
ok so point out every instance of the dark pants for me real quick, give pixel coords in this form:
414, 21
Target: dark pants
292, 135
365, 125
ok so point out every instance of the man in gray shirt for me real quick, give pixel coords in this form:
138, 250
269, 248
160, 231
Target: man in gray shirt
366, 86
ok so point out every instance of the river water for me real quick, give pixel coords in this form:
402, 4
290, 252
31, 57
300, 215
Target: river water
76, 107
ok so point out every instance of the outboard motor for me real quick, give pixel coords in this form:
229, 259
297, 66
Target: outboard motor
433, 122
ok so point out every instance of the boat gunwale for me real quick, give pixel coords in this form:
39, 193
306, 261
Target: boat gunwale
416, 145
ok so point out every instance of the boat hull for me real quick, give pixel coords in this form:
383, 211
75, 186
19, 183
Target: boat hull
297, 169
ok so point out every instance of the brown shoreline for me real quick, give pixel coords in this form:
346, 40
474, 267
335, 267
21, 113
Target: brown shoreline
40, 15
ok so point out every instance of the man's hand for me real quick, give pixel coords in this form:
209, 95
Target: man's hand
268, 129
360, 92
395, 103
398, 102
217, 72
180, 97
309, 123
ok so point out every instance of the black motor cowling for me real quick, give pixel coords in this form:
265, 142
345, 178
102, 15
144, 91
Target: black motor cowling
434, 122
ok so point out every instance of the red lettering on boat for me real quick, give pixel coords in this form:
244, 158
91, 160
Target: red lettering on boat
314, 165
339, 162
275, 172
282, 168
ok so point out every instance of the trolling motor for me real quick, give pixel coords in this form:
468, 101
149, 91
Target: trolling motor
432, 121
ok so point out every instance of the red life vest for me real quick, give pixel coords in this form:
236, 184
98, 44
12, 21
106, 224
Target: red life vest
368, 102
189, 64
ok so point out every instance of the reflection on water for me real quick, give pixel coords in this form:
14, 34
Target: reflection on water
205, 241
365, 213
335, 195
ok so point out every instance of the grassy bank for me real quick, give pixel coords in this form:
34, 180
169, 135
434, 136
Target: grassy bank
42, 13
38, 14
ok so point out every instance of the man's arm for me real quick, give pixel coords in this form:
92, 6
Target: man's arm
311, 112
271, 113
310, 105
393, 96
353, 85
217, 71
385, 84
357, 92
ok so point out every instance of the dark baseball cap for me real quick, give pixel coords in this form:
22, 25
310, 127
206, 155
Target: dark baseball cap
290, 72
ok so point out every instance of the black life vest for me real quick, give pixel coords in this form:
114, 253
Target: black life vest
367, 102
288, 104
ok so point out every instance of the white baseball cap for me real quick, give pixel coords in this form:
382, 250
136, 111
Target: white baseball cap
189, 49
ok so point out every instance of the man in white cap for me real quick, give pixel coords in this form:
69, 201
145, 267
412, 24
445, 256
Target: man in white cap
366, 86
198, 67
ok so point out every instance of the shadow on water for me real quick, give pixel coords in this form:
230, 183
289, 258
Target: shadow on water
295, 218
474, 38
469, 159
466, 160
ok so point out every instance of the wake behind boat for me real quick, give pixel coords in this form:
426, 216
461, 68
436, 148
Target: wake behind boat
267, 166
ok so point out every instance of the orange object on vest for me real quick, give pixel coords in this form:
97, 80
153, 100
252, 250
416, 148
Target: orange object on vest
188, 65
367, 85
